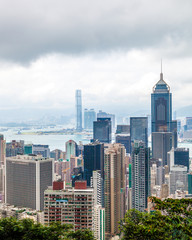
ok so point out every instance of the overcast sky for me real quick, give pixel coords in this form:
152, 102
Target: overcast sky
110, 49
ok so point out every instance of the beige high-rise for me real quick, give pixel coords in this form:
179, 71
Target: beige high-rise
114, 184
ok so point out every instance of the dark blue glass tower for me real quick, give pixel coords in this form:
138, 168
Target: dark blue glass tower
93, 160
102, 130
161, 107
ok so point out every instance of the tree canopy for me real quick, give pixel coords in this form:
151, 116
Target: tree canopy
171, 219
26, 229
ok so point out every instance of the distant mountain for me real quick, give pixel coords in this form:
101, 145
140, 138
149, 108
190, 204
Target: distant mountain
25, 116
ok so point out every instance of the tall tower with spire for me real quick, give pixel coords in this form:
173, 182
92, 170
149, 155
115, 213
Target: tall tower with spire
161, 107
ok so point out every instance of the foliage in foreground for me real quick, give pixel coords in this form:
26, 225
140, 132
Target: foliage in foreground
26, 229
172, 219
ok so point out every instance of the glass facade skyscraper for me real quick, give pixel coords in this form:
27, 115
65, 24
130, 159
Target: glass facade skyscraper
93, 160
139, 129
78, 110
102, 130
161, 107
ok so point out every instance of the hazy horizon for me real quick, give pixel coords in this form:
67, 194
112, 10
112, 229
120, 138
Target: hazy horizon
110, 50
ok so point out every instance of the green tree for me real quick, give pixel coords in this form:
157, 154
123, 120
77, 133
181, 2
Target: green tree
26, 229
172, 219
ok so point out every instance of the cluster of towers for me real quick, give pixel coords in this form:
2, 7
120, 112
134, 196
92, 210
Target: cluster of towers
93, 185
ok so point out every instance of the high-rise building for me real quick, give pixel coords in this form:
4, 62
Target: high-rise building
70, 148
26, 178
15, 147
89, 118
28, 149
139, 129
62, 168
99, 222
93, 160
189, 175
123, 129
102, 130
2, 183
188, 123
57, 154
161, 145
2, 150
2, 167
78, 110
70, 205
76, 175
102, 114
97, 184
178, 156
157, 174
174, 133
140, 176
39, 149
178, 179
161, 107
114, 188
124, 139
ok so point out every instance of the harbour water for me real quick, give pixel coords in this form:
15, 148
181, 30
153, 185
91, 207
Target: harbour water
55, 141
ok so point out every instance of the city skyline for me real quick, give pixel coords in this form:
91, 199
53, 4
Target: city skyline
109, 53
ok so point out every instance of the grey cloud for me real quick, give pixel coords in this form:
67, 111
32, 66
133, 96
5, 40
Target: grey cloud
30, 29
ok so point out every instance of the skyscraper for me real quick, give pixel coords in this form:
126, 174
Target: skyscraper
102, 130
78, 110
178, 179
161, 107
97, 184
70, 148
140, 176
26, 179
39, 149
178, 156
161, 145
14, 148
2, 150
93, 160
123, 129
124, 139
139, 129
89, 118
114, 187
102, 114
